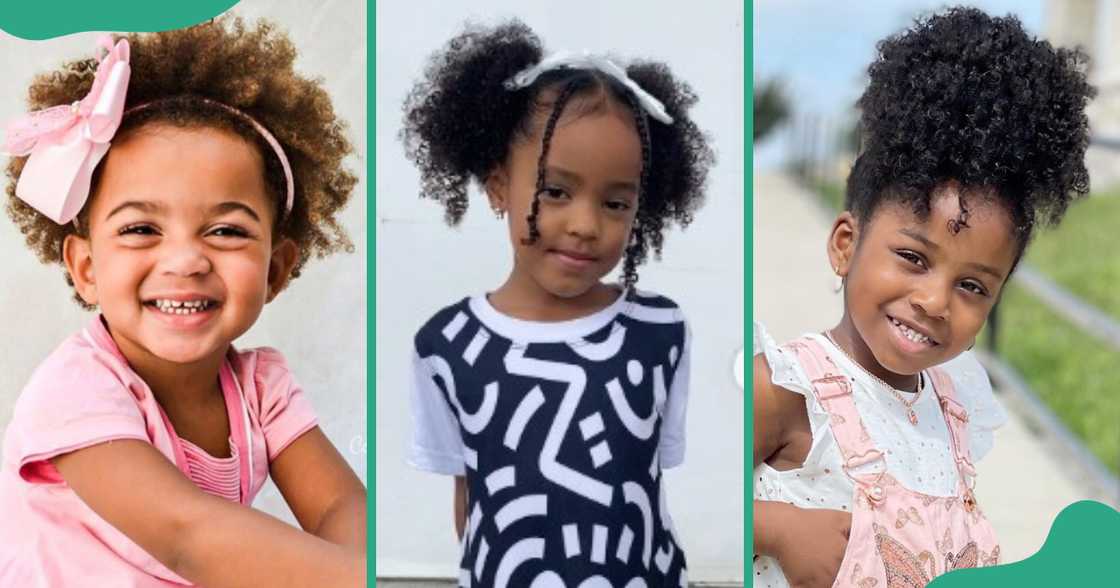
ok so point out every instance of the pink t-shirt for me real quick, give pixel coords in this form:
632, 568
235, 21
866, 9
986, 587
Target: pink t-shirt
85, 394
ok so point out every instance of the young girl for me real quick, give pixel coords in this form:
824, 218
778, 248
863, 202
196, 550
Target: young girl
557, 398
182, 179
973, 134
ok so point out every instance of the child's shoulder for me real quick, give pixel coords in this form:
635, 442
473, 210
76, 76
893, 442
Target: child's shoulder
77, 363
648, 306
265, 368
654, 299
445, 320
78, 383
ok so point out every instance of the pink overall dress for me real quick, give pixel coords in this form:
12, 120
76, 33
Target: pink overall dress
899, 538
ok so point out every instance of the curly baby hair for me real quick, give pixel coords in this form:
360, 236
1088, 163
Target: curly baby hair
460, 120
969, 98
178, 76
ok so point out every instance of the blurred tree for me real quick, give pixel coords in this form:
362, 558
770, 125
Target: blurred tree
771, 107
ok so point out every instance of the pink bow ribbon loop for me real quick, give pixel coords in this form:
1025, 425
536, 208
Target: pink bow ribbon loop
65, 143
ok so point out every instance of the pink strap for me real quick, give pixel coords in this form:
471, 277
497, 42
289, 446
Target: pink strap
833, 391
956, 418
236, 410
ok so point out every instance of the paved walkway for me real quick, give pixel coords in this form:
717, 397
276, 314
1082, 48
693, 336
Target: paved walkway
1022, 486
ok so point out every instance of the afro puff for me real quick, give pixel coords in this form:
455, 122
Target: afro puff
222, 60
962, 96
460, 121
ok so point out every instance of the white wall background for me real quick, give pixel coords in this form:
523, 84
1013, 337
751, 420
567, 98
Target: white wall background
319, 322
422, 265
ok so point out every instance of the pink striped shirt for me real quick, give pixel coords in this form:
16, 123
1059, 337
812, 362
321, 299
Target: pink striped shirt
219, 476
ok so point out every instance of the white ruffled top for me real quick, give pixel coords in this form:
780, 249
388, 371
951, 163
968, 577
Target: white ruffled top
919, 457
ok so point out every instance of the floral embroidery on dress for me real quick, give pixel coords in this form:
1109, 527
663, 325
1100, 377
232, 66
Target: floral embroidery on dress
858, 579
946, 544
908, 516
904, 569
967, 558
991, 559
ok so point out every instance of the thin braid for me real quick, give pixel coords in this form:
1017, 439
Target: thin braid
636, 250
546, 141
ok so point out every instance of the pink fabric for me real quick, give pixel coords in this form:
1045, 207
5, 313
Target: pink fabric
219, 476
65, 143
899, 538
85, 394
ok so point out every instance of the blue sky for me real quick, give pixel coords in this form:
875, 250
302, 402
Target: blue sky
821, 49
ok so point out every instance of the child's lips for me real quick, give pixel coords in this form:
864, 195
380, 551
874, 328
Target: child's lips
188, 313
908, 339
573, 259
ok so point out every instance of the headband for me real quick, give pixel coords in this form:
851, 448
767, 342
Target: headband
65, 143
586, 60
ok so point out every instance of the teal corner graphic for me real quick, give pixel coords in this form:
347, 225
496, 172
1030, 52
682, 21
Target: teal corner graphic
1079, 551
37, 21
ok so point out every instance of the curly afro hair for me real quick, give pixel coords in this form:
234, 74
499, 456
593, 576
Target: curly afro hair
174, 73
968, 98
460, 121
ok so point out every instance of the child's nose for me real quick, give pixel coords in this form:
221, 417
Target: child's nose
583, 219
932, 299
185, 259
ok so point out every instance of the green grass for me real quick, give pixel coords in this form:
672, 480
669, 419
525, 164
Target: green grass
832, 194
1073, 374
1083, 253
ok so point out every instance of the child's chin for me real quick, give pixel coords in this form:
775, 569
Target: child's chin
183, 355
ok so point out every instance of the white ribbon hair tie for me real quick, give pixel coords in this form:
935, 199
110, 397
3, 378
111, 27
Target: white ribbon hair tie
587, 60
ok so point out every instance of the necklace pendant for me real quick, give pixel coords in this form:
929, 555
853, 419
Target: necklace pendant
913, 417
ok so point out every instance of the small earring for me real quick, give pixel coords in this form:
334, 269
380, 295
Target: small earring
499, 213
838, 285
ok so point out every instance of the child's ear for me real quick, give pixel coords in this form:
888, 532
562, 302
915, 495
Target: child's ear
284, 257
497, 189
842, 243
78, 257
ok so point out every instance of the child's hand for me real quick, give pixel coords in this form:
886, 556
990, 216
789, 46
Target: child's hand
811, 545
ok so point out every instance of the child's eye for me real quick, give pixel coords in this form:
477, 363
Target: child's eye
912, 257
553, 193
138, 229
228, 231
619, 205
975, 288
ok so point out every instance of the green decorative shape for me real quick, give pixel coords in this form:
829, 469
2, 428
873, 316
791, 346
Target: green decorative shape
37, 21
1079, 551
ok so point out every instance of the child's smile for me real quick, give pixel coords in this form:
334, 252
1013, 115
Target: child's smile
180, 246
918, 291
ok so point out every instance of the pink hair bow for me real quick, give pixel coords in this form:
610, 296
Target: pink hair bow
66, 142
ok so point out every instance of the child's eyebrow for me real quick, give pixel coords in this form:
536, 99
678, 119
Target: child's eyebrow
575, 178
920, 238
231, 206
143, 205
571, 176
987, 269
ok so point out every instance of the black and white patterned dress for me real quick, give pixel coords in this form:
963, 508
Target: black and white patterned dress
561, 430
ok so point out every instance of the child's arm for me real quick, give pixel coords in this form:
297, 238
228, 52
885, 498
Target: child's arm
325, 495
205, 539
808, 543
460, 505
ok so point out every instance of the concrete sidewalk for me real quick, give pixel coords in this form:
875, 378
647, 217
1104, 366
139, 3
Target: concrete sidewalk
1022, 486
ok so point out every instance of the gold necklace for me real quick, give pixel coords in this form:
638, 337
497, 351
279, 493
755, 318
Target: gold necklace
909, 404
